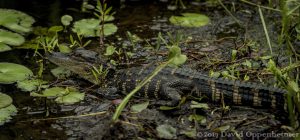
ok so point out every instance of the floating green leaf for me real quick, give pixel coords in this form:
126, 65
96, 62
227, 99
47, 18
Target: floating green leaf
66, 20
32, 84
54, 92
166, 131
10, 73
7, 109
190, 20
5, 100
11, 38
139, 107
15, 20
91, 28
6, 113
4, 47
71, 98
61, 95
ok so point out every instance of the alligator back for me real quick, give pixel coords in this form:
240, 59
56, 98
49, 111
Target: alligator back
181, 80
215, 89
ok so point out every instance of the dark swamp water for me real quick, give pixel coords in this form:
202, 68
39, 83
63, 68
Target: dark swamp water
208, 48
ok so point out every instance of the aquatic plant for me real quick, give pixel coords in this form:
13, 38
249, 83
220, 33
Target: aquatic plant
15, 21
190, 20
104, 15
8, 39
66, 20
91, 28
31, 84
10, 73
7, 109
61, 95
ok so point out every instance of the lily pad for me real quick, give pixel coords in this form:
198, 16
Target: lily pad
71, 98
91, 28
11, 38
54, 92
32, 84
16, 20
62, 95
4, 47
66, 20
5, 100
10, 73
190, 20
6, 113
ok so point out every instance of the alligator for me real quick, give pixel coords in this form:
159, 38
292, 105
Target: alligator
172, 83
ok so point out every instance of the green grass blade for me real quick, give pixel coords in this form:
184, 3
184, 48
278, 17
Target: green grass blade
265, 29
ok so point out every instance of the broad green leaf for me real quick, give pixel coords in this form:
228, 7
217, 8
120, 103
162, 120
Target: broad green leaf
30, 85
174, 51
4, 47
190, 20
66, 20
139, 107
67, 95
179, 60
110, 29
110, 50
70, 98
11, 38
175, 54
5, 100
64, 48
16, 20
54, 92
91, 28
166, 131
6, 113
87, 27
10, 73
55, 29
